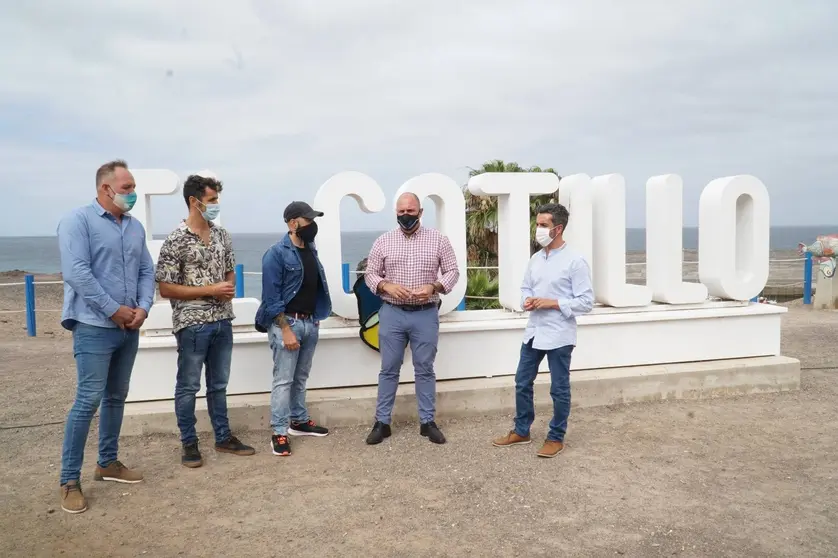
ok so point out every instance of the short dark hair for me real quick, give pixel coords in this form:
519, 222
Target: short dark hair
107, 169
196, 186
558, 213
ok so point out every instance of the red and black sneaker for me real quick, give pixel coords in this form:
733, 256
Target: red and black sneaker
308, 428
280, 445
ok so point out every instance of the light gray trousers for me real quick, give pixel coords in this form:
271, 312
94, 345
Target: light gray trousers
398, 328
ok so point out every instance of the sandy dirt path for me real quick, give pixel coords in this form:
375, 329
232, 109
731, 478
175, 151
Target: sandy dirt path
748, 476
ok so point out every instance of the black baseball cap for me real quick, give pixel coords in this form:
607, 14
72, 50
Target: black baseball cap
300, 209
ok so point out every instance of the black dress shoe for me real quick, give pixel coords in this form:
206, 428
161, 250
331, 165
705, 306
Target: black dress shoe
378, 433
432, 432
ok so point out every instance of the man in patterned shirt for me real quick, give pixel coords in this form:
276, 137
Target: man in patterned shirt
409, 267
196, 271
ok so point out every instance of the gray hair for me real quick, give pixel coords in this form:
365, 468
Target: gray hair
558, 213
107, 169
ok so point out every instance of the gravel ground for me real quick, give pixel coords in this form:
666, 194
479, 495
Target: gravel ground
746, 476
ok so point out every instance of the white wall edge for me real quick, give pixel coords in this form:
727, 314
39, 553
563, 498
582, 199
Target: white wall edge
494, 320
490, 347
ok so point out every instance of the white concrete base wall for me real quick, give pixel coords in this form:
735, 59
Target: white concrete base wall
462, 398
479, 344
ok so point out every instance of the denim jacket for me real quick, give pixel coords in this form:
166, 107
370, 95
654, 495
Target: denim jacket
282, 277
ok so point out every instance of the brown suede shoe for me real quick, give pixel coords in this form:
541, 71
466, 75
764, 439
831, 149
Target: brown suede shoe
117, 472
72, 499
511, 439
551, 448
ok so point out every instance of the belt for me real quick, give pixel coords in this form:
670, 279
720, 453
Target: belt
298, 315
414, 307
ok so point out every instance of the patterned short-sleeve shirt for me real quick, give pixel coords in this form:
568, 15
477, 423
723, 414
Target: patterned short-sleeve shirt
185, 260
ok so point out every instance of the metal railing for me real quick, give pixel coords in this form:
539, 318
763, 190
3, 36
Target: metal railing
30, 310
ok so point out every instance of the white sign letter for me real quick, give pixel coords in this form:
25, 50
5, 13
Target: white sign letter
577, 194
733, 237
450, 216
513, 190
610, 286
665, 243
152, 182
370, 198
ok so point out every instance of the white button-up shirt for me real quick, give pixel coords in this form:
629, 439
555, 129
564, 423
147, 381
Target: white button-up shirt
561, 275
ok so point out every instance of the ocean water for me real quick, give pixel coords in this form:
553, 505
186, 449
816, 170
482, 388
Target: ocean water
40, 254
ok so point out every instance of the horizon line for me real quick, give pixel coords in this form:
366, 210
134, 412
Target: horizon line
384, 230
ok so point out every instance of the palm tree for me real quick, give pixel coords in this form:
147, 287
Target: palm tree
482, 212
482, 290
482, 226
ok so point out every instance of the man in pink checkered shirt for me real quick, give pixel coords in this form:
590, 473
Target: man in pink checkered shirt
409, 267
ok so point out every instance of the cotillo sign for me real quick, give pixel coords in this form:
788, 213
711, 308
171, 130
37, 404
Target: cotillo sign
733, 240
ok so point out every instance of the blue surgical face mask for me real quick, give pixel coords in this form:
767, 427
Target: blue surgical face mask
211, 211
125, 202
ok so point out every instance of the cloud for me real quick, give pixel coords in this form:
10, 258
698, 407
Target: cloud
277, 96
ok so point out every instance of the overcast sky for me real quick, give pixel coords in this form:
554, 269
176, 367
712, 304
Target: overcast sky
277, 96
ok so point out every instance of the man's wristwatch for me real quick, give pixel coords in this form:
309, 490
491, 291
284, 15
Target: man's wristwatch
437, 287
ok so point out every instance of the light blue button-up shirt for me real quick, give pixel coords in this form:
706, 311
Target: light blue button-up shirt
105, 264
561, 275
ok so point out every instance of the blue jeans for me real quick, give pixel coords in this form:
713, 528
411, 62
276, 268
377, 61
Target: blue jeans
397, 328
202, 346
104, 360
291, 370
558, 360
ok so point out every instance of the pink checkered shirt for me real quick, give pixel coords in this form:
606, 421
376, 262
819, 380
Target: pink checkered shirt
412, 261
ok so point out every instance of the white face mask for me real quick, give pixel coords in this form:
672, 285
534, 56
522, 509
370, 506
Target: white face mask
542, 236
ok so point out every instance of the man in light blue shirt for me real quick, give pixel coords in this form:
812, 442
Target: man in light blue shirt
108, 291
556, 289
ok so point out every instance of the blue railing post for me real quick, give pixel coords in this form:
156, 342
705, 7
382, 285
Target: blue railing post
807, 279
462, 305
239, 280
30, 305
344, 269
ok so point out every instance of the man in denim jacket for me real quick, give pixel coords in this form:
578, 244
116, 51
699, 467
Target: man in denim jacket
295, 297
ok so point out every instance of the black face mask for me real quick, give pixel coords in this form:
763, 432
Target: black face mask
407, 222
307, 233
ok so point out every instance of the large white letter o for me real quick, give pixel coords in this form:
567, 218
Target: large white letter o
450, 216
733, 237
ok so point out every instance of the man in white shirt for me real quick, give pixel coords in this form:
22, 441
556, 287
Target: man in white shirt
556, 289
